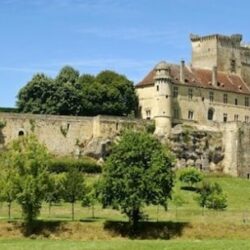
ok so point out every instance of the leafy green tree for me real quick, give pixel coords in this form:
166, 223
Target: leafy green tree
68, 75
190, 176
108, 93
178, 201
54, 192
8, 187
137, 173
92, 197
29, 161
38, 96
212, 197
74, 188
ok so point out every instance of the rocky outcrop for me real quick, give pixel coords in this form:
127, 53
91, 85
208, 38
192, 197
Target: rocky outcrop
192, 147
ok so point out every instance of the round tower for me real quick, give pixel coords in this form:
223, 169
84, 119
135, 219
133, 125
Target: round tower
163, 100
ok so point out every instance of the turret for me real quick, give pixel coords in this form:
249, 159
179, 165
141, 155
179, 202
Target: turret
163, 100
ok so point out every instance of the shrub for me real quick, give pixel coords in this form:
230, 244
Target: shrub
84, 165
190, 175
212, 196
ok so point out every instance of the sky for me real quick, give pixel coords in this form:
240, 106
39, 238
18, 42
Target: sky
128, 36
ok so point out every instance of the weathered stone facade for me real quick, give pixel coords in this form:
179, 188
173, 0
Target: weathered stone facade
212, 95
66, 135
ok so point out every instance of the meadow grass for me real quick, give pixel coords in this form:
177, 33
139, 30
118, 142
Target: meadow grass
125, 245
187, 222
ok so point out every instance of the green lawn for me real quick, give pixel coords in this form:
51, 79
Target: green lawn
187, 223
125, 245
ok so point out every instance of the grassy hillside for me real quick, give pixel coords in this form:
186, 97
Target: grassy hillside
185, 223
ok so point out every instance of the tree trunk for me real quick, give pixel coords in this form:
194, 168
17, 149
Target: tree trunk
73, 211
93, 211
9, 210
135, 218
50, 208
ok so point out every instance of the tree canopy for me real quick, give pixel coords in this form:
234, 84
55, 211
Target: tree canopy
137, 173
70, 93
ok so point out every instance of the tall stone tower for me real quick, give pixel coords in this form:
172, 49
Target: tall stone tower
163, 100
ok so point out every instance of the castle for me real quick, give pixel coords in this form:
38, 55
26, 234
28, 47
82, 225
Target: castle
214, 88
201, 110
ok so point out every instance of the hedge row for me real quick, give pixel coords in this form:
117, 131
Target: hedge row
84, 165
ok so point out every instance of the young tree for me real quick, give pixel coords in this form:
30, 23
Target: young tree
8, 187
212, 197
73, 188
29, 161
190, 176
137, 173
54, 192
92, 197
178, 201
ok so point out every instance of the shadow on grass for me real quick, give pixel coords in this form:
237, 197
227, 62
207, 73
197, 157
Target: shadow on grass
90, 219
39, 227
147, 230
192, 189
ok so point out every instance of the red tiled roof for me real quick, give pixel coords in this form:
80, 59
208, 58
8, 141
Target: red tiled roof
201, 78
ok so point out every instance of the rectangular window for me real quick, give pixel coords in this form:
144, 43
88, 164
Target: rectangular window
236, 118
225, 98
190, 115
176, 113
247, 118
236, 101
225, 117
157, 88
233, 66
247, 101
190, 94
211, 96
148, 114
175, 94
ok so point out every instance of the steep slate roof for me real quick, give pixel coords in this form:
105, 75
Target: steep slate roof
196, 77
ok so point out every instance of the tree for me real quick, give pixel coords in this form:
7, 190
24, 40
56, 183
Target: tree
190, 175
92, 197
54, 192
28, 161
8, 187
38, 96
212, 197
108, 93
73, 188
137, 173
178, 201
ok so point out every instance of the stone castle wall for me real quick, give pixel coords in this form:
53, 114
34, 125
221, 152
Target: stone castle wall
224, 148
62, 135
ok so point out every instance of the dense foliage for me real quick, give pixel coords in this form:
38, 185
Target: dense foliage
137, 173
212, 196
69, 93
190, 176
84, 165
25, 176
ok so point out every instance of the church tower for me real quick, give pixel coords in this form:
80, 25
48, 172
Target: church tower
163, 100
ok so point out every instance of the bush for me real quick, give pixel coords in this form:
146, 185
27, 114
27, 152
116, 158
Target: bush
190, 175
84, 165
212, 196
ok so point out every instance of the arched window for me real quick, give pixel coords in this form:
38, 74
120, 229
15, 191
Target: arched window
21, 133
210, 114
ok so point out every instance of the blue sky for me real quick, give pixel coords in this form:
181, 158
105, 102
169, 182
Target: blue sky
128, 36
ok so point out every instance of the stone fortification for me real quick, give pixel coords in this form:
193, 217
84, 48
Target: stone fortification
65, 135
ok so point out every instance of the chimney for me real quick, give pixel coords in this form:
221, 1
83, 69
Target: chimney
214, 76
182, 66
